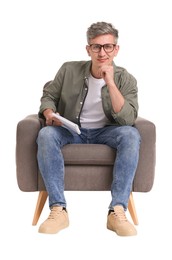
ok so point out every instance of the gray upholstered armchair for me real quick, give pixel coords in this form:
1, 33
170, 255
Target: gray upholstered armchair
88, 167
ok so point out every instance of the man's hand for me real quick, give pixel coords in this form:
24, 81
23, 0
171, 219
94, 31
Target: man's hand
50, 119
107, 73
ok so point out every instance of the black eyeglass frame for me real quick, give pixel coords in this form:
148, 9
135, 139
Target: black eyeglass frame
102, 46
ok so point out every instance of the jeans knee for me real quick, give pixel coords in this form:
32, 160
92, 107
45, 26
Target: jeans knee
45, 134
131, 136
134, 134
134, 137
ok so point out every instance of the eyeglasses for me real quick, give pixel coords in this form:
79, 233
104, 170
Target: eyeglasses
108, 47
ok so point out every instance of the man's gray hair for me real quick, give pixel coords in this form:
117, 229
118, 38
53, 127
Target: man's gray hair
101, 28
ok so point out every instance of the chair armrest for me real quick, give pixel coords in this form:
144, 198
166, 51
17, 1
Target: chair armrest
26, 152
145, 173
146, 126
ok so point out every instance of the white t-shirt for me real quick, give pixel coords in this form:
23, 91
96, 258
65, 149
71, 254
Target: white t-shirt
92, 115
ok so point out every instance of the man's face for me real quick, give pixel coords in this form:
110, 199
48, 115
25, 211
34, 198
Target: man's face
102, 55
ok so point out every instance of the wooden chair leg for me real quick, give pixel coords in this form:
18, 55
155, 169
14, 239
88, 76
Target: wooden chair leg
42, 197
132, 210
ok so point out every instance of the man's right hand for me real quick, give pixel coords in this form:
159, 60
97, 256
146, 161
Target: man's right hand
50, 119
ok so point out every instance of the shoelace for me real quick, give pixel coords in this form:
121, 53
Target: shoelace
53, 213
120, 214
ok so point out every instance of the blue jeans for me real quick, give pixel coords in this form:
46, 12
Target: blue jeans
125, 139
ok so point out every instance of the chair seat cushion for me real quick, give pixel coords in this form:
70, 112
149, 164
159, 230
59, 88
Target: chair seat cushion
88, 154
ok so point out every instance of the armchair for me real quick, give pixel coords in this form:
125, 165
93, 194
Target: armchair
88, 167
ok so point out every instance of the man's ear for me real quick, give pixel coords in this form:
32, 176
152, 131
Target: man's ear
116, 50
88, 50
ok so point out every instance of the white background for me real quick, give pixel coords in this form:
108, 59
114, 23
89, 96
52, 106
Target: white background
36, 37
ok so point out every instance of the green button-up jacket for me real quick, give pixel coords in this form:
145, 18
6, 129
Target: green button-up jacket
67, 92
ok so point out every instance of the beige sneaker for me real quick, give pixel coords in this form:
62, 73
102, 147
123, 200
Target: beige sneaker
117, 222
57, 220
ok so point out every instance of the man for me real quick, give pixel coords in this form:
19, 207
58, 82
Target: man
102, 99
